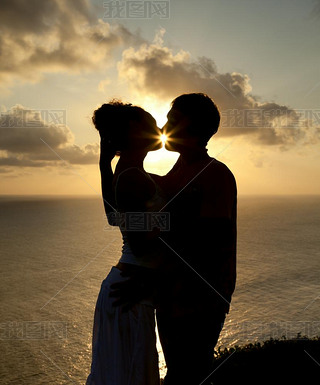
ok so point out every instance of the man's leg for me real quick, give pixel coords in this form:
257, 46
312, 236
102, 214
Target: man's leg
188, 344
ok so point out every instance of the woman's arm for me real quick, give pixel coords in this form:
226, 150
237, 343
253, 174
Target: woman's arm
107, 153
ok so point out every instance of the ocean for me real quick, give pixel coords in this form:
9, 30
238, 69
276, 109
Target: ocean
55, 252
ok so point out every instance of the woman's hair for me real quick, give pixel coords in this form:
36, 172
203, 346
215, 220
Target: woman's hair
112, 120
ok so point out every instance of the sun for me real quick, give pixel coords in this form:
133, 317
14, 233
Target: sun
160, 161
163, 139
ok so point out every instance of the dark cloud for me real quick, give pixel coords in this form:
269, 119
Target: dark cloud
316, 8
154, 69
22, 162
56, 35
27, 16
27, 140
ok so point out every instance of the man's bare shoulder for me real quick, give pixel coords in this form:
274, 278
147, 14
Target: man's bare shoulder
216, 167
219, 190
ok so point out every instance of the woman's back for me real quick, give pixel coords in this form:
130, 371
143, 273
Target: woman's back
139, 201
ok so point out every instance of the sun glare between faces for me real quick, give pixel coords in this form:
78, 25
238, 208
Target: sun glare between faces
163, 138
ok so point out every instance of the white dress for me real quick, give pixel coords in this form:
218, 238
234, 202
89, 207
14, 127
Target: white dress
124, 341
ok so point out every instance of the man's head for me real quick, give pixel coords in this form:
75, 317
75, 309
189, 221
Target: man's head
192, 121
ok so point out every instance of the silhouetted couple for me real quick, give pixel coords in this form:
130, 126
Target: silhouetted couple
179, 246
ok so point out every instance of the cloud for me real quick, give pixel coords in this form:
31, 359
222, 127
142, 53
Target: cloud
28, 140
156, 71
316, 8
57, 35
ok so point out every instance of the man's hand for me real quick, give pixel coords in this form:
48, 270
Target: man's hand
138, 285
128, 293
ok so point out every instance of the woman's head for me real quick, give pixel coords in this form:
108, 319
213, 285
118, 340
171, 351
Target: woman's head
127, 127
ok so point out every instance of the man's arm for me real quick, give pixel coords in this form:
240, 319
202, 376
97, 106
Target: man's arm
210, 246
213, 253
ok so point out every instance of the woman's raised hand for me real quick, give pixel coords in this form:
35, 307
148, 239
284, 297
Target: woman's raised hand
107, 150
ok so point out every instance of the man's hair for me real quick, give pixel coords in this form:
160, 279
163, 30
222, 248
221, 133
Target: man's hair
202, 112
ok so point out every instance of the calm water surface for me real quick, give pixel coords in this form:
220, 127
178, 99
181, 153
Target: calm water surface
55, 253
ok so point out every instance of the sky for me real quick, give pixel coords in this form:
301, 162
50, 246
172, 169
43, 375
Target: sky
61, 59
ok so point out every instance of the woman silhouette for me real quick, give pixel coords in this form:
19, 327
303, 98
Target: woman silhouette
124, 341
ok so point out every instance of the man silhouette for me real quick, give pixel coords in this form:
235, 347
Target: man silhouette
201, 275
